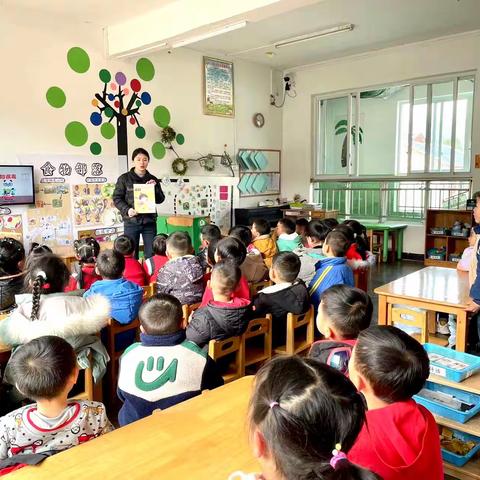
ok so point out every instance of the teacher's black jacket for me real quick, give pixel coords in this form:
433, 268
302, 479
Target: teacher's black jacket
123, 196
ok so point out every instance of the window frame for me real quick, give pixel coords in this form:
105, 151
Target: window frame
353, 96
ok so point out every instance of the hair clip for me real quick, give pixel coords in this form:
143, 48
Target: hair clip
337, 456
42, 274
274, 404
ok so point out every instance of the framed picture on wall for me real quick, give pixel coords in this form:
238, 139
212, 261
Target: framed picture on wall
218, 96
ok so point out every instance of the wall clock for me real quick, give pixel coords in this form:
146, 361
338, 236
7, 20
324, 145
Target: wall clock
258, 120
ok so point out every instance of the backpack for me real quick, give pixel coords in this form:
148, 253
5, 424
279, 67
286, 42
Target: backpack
334, 354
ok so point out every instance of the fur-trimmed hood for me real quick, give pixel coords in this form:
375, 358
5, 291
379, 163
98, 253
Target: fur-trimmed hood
61, 315
369, 262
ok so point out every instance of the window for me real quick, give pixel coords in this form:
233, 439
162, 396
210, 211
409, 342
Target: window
399, 130
390, 200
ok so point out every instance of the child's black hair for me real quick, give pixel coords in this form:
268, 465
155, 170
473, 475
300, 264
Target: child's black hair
45, 274
302, 223
288, 225
287, 266
331, 223
348, 309
86, 250
212, 248
262, 226
36, 249
159, 245
227, 274
110, 264
180, 244
360, 233
395, 365
242, 233
303, 409
231, 249
11, 254
347, 231
318, 230
338, 242
210, 232
161, 315
42, 367
139, 151
124, 245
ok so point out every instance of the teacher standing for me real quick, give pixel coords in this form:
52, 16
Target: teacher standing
136, 224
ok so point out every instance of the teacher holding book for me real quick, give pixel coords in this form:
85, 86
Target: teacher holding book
136, 194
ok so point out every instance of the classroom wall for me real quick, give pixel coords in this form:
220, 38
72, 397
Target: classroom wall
33, 49
435, 57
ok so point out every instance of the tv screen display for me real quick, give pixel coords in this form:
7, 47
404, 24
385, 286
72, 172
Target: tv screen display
16, 185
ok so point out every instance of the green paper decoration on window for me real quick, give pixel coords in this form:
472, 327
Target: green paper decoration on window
145, 69
56, 97
76, 134
158, 150
161, 115
78, 60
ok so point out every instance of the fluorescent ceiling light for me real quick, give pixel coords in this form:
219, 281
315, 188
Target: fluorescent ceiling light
156, 46
348, 27
213, 33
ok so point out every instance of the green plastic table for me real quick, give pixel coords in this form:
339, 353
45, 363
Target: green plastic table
387, 228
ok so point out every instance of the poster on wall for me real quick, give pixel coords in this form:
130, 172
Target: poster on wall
11, 226
73, 169
50, 223
218, 95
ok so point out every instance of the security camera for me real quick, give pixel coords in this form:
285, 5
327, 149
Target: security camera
286, 79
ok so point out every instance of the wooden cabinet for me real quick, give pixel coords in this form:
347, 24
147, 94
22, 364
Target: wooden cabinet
471, 470
438, 219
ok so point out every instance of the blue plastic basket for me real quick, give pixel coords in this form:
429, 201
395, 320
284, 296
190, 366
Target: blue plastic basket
447, 412
460, 460
472, 361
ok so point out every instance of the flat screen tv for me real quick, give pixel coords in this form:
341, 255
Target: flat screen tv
16, 185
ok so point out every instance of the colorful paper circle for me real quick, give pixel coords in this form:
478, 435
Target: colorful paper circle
158, 150
136, 85
180, 139
124, 111
126, 91
120, 78
95, 102
161, 115
107, 130
132, 120
95, 148
145, 69
76, 134
104, 75
138, 103
146, 98
140, 132
111, 96
78, 59
96, 119
56, 97
108, 112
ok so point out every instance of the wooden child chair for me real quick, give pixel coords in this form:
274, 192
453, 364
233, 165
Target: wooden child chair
411, 318
149, 290
259, 286
218, 349
258, 327
187, 311
300, 333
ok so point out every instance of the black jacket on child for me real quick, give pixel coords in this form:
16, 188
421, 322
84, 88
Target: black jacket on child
9, 287
218, 321
292, 299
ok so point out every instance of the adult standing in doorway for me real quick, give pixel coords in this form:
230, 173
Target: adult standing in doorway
136, 224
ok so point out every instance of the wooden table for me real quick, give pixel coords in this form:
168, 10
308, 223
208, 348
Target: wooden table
387, 229
435, 289
205, 438
309, 213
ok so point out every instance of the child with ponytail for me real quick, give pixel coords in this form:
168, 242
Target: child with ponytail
86, 252
12, 258
46, 310
304, 418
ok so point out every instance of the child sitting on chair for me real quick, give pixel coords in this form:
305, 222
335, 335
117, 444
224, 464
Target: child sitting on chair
400, 438
263, 241
84, 275
301, 227
342, 314
182, 275
133, 270
125, 296
187, 370
287, 238
288, 295
45, 370
153, 264
209, 233
225, 315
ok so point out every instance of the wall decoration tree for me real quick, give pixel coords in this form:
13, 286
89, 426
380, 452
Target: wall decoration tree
341, 129
118, 105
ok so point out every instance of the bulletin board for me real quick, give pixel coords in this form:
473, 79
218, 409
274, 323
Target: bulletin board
11, 226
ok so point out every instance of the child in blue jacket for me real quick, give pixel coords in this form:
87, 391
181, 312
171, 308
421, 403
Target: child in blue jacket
125, 296
332, 270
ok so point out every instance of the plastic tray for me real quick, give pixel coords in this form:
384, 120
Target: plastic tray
460, 460
445, 411
452, 374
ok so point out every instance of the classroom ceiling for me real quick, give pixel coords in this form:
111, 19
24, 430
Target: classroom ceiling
378, 24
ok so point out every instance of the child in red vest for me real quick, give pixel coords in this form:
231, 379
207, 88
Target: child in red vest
133, 270
343, 313
153, 264
84, 275
399, 440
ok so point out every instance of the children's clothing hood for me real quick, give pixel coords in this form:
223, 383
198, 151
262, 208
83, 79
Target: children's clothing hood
400, 442
289, 242
253, 268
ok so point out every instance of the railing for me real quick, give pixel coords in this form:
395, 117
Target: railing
390, 200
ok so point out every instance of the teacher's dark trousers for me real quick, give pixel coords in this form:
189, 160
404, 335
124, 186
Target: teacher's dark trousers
148, 231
